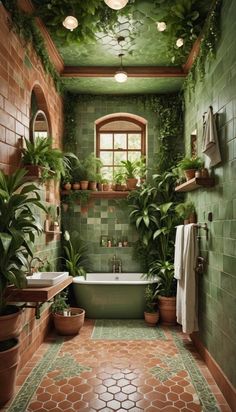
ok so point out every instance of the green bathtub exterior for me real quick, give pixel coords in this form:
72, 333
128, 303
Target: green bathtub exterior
111, 301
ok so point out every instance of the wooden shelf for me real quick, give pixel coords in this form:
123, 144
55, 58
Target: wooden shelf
195, 183
36, 294
110, 194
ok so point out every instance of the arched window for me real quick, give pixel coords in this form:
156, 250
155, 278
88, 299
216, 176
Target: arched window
119, 138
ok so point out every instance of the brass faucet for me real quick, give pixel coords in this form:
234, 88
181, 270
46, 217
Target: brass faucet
30, 267
116, 265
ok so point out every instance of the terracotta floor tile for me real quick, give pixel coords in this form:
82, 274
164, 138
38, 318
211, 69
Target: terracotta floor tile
89, 375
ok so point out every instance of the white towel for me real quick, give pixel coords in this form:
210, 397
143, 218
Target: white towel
186, 299
210, 139
179, 244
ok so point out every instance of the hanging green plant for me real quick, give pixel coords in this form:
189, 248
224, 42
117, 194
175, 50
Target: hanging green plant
209, 40
24, 25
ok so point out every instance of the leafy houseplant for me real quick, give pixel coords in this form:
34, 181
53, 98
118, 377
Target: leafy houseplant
67, 320
39, 153
18, 226
163, 271
189, 165
151, 314
130, 172
119, 180
76, 259
186, 211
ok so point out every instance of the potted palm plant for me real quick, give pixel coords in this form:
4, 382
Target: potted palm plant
151, 314
18, 227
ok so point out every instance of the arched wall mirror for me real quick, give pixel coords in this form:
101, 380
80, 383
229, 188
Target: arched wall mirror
39, 125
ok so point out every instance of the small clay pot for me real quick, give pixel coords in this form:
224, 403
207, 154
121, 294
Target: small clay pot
76, 186
204, 172
67, 186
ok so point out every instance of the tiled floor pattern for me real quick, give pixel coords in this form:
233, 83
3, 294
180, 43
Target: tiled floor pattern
89, 375
125, 329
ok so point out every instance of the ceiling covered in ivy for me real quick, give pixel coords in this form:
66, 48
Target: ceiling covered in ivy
93, 48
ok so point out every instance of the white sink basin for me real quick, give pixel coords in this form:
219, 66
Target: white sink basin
42, 279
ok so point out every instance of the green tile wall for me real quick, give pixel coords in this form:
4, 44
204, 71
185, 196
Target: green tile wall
217, 287
105, 217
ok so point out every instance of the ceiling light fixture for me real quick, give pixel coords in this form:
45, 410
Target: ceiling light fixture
120, 75
180, 42
116, 4
161, 26
70, 23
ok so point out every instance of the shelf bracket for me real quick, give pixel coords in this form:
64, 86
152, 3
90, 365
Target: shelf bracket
37, 308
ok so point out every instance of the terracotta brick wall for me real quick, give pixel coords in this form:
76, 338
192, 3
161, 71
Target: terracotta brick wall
20, 73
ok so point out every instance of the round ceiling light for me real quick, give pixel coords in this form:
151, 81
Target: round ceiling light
161, 26
116, 4
121, 76
70, 23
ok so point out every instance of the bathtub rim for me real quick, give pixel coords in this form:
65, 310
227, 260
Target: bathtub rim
80, 280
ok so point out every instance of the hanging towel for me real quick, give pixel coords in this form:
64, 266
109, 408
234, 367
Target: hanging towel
178, 260
210, 139
186, 299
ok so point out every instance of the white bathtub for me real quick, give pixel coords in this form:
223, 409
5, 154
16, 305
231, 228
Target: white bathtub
111, 295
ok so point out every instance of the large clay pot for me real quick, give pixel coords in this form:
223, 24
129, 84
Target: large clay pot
92, 185
9, 360
11, 323
167, 308
151, 318
69, 325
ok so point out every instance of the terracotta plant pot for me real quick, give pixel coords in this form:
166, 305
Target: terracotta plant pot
100, 187
69, 325
67, 186
106, 187
167, 308
131, 183
76, 186
189, 174
151, 318
11, 325
193, 218
84, 184
8, 369
92, 186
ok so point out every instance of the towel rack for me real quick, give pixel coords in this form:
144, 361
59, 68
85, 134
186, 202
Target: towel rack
202, 226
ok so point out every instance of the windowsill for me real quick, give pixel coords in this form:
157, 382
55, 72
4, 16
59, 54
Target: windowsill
110, 194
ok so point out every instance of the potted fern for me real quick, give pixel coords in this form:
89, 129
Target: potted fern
189, 165
186, 211
130, 173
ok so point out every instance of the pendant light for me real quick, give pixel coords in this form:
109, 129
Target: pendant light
70, 23
121, 75
116, 4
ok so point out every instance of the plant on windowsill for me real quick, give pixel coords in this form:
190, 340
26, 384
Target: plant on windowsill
151, 314
119, 180
130, 173
189, 165
67, 320
19, 226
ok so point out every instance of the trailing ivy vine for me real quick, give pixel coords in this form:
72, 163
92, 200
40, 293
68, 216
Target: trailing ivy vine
23, 24
209, 40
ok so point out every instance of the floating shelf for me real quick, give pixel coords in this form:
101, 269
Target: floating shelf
195, 183
36, 294
110, 194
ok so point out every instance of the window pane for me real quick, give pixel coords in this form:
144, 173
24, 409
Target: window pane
120, 141
106, 141
118, 156
106, 158
134, 141
134, 156
107, 173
